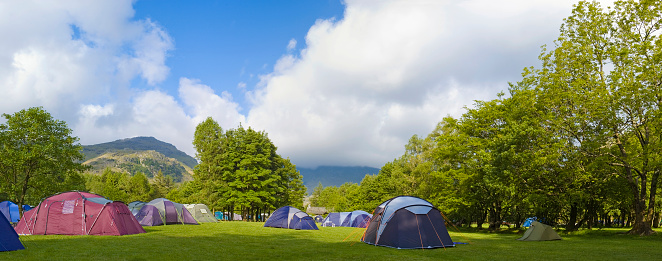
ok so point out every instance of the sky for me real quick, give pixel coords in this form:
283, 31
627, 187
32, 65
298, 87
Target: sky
341, 83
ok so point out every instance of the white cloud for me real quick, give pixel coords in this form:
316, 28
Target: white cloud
66, 53
365, 84
291, 44
355, 93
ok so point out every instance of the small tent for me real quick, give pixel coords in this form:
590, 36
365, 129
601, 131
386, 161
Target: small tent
226, 216
335, 219
289, 217
78, 213
10, 210
356, 218
200, 212
161, 211
528, 221
539, 232
406, 222
8, 238
318, 219
135, 206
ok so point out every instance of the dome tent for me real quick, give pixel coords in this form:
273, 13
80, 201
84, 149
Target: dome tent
135, 206
318, 219
78, 213
289, 217
200, 212
8, 238
407, 222
335, 219
161, 211
10, 210
356, 218
540, 232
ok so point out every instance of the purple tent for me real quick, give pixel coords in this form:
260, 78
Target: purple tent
164, 212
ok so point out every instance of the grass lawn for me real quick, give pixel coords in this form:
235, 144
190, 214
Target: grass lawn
251, 241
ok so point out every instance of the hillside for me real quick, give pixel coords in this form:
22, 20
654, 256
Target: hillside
333, 175
149, 162
139, 144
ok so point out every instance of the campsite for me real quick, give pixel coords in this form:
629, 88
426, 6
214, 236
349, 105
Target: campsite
331, 130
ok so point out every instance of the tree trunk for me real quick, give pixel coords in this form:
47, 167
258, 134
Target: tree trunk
572, 223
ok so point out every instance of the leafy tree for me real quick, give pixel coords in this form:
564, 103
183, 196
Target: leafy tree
240, 170
603, 82
38, 157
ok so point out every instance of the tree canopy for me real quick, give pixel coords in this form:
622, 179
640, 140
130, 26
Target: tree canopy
39, 157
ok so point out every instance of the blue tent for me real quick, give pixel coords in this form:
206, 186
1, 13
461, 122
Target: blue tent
335, 219
8, 237
528, 221
289, 217
10, 210
406, 222
356, 218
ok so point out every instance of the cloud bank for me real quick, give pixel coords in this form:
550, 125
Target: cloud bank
358, 89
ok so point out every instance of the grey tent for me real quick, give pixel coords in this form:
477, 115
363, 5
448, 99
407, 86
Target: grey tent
135, 206
200, 212
539, 232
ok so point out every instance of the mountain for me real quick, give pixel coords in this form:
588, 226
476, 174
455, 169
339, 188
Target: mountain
149, 162
145, 154
139, 144
333, 175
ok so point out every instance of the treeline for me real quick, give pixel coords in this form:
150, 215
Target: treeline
576, 142
122, 186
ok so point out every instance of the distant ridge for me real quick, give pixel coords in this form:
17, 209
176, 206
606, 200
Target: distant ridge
139, 144
333, 175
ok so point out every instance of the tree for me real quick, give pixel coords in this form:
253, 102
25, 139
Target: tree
162, 185
605, 79
240, 170
38, 157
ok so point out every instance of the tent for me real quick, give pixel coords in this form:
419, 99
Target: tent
161, 211
135, 206
289, 217
10, 210
335, 219
78, 213
407, 222
356, 218
318, 219
226, 216
539, 232
200, 212
8, 238
528, 221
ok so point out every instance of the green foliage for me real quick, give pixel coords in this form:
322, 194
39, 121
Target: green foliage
120, 186
38, 157
576, 141
240, 170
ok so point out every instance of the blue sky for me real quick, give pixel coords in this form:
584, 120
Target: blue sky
343, 83
229, 43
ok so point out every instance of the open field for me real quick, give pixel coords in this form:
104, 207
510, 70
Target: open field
251, 241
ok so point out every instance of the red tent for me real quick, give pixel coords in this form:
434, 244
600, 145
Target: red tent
79, 213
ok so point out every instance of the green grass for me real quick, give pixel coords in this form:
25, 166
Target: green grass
251, 241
